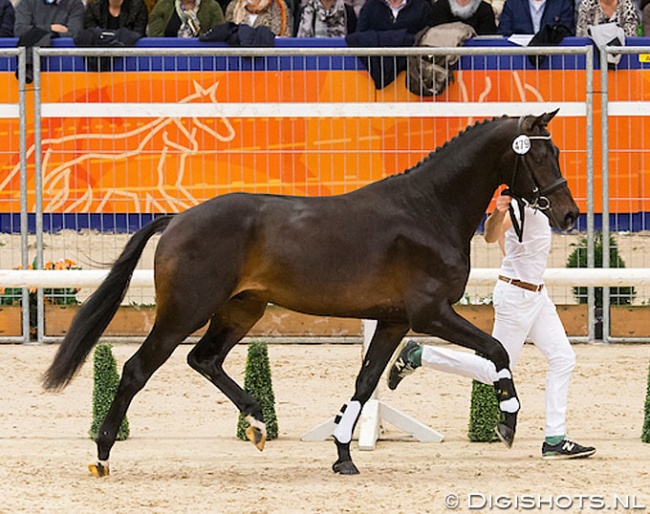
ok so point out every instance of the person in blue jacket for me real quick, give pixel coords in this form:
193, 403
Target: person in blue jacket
530, 16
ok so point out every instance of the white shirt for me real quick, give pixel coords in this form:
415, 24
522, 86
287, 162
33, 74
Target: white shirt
396, 10
536, 13
527, 260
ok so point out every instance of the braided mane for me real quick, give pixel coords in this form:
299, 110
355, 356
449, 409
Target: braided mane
446, 145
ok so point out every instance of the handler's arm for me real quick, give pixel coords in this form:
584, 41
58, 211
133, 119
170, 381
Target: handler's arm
498, 222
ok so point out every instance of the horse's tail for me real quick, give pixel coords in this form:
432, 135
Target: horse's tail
99, 309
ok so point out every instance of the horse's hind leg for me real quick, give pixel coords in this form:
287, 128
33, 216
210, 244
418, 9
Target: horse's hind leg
156, 349
227, 327
386, 338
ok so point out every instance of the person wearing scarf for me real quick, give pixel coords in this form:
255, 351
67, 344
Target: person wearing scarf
326, 18
184, 18
476, 13
272, 14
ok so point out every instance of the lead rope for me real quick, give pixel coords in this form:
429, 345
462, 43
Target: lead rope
521, 146
517, 227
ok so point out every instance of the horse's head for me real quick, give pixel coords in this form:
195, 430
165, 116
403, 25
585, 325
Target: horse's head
535, 175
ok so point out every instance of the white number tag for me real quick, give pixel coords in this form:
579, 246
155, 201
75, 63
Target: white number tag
521, 144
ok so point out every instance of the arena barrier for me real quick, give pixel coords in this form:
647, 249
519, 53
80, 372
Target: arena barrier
13, 119
625, 119
170, 127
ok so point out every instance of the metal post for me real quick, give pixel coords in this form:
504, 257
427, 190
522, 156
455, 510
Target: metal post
38, 186
589, 67
24, 221
605, 180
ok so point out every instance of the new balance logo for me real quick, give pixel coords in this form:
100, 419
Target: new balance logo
568, 446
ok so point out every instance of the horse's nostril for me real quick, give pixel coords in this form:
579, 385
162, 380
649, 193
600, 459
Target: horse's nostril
569, 220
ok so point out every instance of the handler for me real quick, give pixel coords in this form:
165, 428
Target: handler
523, 310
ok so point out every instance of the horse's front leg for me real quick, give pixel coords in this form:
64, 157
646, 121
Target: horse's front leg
443, 321
386, 338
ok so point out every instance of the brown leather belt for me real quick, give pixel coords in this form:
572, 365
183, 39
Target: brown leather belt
524, 285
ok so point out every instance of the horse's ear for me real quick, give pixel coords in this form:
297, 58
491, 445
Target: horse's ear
545, 118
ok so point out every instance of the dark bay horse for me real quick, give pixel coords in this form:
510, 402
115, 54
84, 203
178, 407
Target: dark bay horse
396, 251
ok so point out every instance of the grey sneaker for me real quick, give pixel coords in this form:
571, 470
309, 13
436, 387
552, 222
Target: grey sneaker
402, 366
566, 449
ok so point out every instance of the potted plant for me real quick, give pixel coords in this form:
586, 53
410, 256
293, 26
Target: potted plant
617, 295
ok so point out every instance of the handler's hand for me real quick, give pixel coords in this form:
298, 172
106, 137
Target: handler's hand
57, 27
502, 203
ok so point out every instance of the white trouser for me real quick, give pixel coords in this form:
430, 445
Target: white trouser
519, 314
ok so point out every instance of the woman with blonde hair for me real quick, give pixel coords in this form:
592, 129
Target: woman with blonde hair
272, 14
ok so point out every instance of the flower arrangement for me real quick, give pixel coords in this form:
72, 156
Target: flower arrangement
54, 296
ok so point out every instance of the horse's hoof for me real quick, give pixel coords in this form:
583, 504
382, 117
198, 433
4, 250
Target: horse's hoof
99, 470
345, 467
505, 434
256, 436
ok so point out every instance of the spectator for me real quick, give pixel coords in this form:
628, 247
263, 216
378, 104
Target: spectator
598, 12
184, 18
530, 16
7, 19
476, 13
645, 18
326, 18
117, 14
272, 14
38, 21
382, 15
62, 18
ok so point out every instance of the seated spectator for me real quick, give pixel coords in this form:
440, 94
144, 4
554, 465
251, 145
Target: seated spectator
530, 16
598, 12
272, 14
183, 18
62, 18
38, 21
645, 18
7, 19
475, 13
382, 15
117, 14
326, 18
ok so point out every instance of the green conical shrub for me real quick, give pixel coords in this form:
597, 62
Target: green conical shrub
645, 435
484, 413
106, 380
578, 259
257, 382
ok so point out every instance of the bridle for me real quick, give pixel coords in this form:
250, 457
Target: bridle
521, 146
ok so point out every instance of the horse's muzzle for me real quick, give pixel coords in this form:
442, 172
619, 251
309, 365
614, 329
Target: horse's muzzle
570, 219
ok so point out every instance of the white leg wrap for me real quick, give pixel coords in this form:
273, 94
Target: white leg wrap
504, 373
345, 422
511, 405
257, 424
